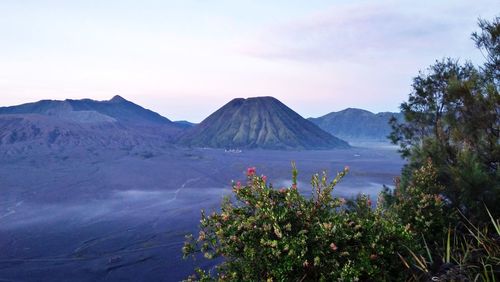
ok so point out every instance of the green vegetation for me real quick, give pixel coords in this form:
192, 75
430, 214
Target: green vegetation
281, 235
452, 128
472, 255
440, 223
419, 206
452, 117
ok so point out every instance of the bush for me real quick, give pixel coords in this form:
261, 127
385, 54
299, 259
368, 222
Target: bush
473, 255
420, 205
466, 252
278, 234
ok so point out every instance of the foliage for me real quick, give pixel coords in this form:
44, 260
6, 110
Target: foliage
278, 234
474, 256
452, 117
451, 141
420, 206
488, 41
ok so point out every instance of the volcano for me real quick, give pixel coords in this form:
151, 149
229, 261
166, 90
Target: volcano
259, 123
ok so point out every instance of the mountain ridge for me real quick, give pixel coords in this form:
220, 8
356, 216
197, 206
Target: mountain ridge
115, 123
354, 124
117, 108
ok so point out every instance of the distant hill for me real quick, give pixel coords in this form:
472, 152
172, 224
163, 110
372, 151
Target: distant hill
184, 123
261, 122
357, 124
114, 123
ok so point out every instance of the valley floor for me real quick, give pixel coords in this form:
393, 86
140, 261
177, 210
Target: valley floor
122, 216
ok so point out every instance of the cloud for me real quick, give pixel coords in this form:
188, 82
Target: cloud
356, 32
185, 60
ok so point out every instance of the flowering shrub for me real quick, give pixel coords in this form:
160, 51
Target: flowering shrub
420, 205
278, 234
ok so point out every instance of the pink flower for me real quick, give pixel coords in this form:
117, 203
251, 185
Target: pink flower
264, 178
294, 186
237, 187
346, 168
369, 202
333, 247
251, 171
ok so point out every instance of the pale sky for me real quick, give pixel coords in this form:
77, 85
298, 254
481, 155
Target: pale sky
185, 59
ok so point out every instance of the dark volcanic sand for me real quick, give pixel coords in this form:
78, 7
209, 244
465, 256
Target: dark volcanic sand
120, 216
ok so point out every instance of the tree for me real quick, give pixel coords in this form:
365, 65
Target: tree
488, 41
452, 117
427, 106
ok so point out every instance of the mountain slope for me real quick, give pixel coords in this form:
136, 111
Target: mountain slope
116, 123
357, 124
118, 109
261, 122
